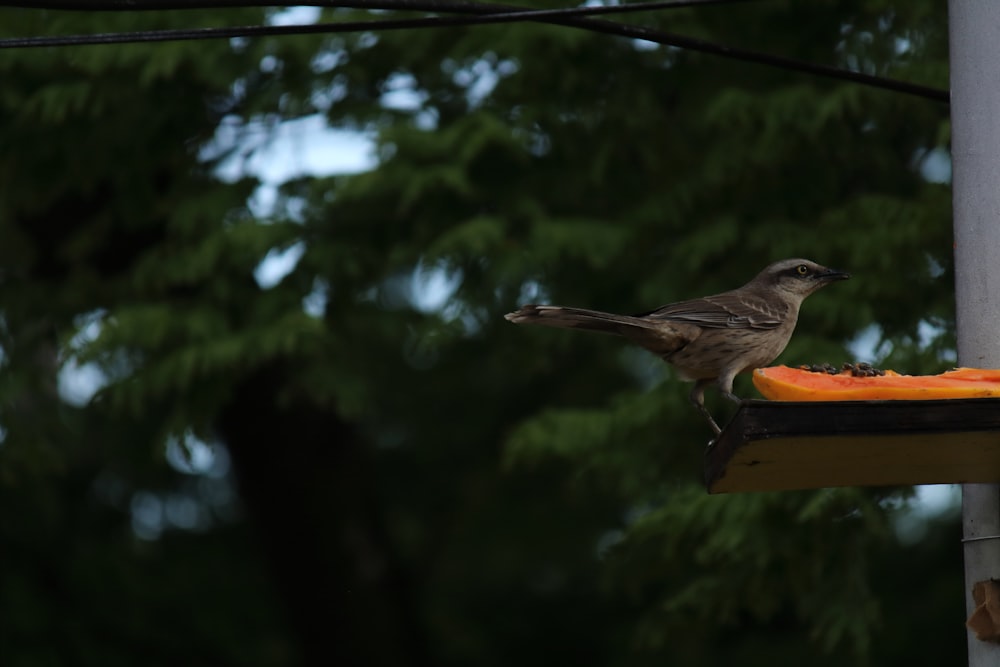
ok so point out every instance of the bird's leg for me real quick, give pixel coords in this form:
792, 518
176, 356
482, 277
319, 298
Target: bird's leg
725, 385
697, 397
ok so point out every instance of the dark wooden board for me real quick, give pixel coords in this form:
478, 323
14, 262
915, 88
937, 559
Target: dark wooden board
775, 445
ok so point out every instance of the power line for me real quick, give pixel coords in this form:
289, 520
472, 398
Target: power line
475, 13
414, 5
442, 6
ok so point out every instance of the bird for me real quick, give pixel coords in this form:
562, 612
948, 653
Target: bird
711, 339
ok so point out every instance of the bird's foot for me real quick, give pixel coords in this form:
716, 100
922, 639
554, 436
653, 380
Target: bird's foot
732, 397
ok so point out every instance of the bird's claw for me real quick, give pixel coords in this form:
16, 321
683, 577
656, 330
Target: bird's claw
733, 397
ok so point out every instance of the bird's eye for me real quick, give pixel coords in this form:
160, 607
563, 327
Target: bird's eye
802, 269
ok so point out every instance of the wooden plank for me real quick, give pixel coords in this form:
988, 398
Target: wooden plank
777, 446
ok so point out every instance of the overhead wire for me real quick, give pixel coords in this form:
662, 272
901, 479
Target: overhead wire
412, 5
469, 14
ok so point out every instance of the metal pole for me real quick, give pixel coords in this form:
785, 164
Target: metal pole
974, 37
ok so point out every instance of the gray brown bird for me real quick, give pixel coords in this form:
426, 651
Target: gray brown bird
714, 338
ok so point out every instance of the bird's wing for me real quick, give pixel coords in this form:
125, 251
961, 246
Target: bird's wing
725, 311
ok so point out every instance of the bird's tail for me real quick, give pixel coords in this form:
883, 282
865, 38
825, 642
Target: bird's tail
661, 337
579, 318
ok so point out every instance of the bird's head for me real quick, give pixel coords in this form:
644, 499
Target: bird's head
798, 278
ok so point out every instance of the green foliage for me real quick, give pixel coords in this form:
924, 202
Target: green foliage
505, 495
828, 593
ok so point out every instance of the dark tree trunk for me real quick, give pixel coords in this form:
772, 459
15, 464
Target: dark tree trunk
307, 483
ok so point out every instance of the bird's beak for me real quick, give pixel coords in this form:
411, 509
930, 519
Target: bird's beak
829, 275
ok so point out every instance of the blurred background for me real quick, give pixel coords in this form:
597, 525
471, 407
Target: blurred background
259, 405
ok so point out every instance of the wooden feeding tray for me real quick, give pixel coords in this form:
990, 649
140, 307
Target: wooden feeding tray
778, 446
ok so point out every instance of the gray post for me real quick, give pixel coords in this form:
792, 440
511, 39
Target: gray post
974, 36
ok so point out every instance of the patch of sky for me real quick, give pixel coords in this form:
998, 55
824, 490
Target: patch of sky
935, 166
295, 15
204, 495
305, 146
400, 92
277, 264
314, 303
929, 503
77, 381
532, 291
432, 287
869, 345
481, 77
193, 456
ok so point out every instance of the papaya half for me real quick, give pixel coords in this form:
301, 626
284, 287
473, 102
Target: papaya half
782, 383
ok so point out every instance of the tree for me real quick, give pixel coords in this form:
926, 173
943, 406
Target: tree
445, 488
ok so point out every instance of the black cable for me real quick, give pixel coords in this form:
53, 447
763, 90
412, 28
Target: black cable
413, 5
494, 13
